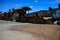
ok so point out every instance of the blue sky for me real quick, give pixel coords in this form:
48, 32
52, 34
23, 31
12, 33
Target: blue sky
34, 4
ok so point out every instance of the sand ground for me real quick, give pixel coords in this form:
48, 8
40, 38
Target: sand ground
27, 31
46, 31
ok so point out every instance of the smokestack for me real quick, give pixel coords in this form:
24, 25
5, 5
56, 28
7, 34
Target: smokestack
50, 8
9, 10
59, 6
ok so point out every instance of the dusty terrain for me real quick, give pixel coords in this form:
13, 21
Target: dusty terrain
44, 31
27, 31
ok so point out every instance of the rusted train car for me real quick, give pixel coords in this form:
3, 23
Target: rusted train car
19, 15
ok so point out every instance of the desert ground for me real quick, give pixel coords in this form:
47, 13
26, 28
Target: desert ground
28, 31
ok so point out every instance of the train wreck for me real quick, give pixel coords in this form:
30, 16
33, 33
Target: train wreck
40, 17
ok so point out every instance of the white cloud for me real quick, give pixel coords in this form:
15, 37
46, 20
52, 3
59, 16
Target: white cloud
36, 1
53, 2
58, 1
16, 5
31, 6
